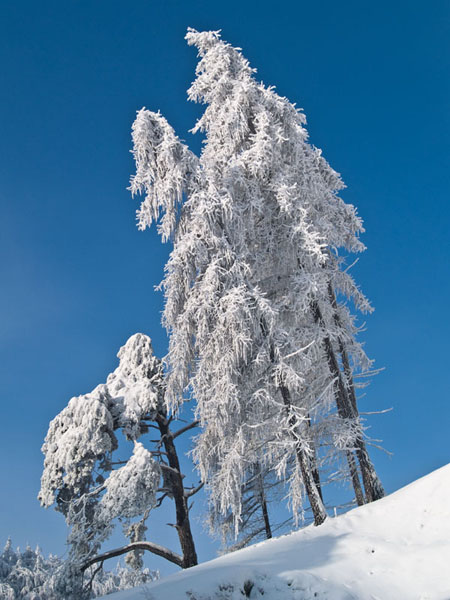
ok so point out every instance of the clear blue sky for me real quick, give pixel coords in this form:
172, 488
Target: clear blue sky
77, 277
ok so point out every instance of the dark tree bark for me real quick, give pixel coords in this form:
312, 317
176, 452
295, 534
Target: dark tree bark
314, 496
370, 477
150, 546
265, 513
181, 496
342, 403
347, 409
182, 525
315, 500
263, 502
315, 470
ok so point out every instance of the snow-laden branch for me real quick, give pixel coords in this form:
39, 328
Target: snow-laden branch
149, 546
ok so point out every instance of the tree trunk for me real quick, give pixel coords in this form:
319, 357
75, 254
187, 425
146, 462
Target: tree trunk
318, 509
372, 483
183, 525
263, 502
315, 470
359, 496
343, 404
314, 496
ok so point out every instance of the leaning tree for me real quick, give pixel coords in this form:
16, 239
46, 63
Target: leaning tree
257, 294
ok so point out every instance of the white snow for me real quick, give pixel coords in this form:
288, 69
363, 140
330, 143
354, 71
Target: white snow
397, 548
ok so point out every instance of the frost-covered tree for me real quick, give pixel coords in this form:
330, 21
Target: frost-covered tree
262, 515
256, 289
93, 489
28, 575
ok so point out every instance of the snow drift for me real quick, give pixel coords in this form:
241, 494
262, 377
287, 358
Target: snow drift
397, 548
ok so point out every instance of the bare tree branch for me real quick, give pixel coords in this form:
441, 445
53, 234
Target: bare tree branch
91, 581
184, 429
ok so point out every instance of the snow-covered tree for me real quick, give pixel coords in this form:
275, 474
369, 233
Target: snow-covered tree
92, 489
252, 285
262, 512
28, 575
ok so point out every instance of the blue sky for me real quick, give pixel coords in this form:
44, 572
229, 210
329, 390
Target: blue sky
77, 277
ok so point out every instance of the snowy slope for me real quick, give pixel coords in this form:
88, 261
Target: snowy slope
395, 549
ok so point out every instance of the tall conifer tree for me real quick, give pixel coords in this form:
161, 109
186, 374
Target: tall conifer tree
255, 328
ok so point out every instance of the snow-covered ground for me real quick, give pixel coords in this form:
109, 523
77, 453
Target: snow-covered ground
395, 549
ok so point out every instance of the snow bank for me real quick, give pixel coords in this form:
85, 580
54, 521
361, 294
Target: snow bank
395, 549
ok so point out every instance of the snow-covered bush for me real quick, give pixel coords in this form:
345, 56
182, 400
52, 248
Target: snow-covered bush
28, 575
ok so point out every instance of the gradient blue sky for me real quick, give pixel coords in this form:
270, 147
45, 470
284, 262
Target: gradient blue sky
77, 277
